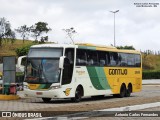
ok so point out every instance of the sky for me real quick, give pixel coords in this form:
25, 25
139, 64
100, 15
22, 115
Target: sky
94, 23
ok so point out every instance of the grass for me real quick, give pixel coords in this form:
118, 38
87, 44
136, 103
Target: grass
8, 49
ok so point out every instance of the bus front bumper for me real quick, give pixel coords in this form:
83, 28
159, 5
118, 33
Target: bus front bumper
55, 93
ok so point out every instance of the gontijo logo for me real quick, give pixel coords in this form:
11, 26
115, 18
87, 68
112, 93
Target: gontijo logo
67, 91
117, 71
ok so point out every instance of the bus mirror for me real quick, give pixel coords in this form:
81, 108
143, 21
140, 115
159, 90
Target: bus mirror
61, 62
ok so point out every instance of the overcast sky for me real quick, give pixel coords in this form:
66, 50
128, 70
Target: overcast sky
137, 26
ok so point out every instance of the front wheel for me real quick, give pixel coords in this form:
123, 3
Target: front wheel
46, 100
78, 95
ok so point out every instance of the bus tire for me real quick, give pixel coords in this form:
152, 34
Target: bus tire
46, 100
97, 97
122, 91
115, 95
128, 91
78, 94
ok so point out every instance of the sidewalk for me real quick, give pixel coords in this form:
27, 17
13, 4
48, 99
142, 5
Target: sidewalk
151, 82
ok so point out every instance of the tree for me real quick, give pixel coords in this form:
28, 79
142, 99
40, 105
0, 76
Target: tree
70, 32
24, 31
43, 39
126, 47
39, 28
6, 31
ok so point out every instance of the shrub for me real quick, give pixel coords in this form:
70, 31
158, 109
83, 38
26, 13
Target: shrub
23, 50
151, 75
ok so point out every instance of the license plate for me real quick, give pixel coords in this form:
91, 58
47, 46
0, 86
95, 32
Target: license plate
39, 93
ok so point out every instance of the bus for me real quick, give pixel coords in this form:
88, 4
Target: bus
56, 71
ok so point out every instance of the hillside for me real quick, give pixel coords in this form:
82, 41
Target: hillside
8, 49
150, 62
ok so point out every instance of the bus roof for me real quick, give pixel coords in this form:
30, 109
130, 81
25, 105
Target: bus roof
53, 45
87, 46
105, 48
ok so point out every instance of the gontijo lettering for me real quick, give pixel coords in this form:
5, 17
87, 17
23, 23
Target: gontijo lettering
117, 71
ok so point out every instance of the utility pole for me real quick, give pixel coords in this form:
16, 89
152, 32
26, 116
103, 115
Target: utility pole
114, 12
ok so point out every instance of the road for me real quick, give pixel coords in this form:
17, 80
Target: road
149, 94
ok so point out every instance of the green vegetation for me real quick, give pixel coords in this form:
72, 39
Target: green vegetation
151, 61
23, 50
151, 66
126, 47
151, 75
9, 49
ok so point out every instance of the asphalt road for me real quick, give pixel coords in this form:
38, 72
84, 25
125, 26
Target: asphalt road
149, 93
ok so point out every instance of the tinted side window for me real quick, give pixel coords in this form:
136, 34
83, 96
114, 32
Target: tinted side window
130, 60
137, 60
81, 58
123, 59
92, 58
103, 58
114, 59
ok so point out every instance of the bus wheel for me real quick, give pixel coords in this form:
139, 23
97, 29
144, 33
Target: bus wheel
128, 91
122, 91
46, 100
97, 97
78, 95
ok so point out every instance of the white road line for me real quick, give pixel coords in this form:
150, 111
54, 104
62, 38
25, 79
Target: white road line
99, 112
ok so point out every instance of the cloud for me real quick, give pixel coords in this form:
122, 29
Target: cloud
91, 19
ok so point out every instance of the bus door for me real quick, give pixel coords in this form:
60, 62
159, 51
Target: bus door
68, 66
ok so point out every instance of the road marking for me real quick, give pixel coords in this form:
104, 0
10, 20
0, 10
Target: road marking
99, 112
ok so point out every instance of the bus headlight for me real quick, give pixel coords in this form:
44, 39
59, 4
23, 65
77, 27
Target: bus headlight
55, 87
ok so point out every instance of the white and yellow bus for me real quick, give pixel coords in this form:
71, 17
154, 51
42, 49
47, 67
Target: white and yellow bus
81, 70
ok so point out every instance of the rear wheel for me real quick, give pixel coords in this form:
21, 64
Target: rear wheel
78, 95
46, 100
128, 91
122, 91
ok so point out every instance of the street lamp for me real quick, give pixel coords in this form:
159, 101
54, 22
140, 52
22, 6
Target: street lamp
114, 25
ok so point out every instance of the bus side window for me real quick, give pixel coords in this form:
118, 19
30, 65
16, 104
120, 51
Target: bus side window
92, 58
130, 60
113, 59
103, 58
81, 58
137, 60
123, 59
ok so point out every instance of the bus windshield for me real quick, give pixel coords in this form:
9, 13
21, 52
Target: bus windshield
42, 70
43, 65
